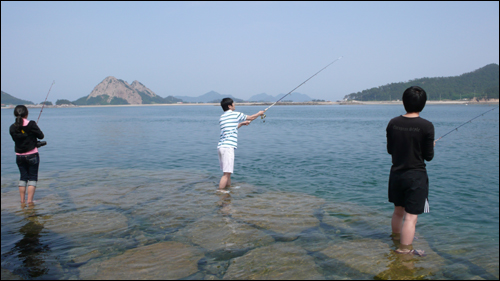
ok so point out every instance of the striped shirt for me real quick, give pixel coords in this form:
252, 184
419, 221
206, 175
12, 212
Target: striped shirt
229, 128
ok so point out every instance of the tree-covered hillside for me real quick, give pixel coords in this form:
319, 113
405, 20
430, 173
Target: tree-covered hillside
481, 83
8, 99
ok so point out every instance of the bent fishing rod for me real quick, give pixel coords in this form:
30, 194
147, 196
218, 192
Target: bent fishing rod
456, 128
45, 101
264, 116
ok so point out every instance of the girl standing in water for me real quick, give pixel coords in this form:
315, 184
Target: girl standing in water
25, 135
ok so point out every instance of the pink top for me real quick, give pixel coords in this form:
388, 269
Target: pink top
35, 150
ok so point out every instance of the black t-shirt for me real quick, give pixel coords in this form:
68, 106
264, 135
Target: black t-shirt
410, 141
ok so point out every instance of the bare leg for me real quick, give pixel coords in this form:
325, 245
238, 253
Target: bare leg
225, 181
22, 192
31, 193
397, 221
408, 231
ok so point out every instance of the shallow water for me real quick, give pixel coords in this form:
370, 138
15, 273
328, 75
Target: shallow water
129, 192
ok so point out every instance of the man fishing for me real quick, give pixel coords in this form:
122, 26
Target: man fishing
410, 141
229, 123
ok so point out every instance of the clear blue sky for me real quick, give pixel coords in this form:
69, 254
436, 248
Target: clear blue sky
240, 48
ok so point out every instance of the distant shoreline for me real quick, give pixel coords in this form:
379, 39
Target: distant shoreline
492, 101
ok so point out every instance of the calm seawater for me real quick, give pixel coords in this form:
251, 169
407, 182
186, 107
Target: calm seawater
136, 168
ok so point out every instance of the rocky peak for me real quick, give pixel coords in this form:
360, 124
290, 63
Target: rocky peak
138, 86
113, 87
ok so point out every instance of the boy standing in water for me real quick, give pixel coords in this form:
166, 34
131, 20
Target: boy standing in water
410, 141
229, 123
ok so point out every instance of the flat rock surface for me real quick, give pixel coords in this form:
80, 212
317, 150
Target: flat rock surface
218, 232
286, 214
278, 261
165, 260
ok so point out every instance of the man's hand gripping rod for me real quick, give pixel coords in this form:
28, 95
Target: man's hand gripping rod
264, 116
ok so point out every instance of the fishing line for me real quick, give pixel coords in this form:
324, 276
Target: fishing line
45, 101
264, 116
456, 129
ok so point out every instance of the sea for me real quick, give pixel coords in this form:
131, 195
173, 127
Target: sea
129, 192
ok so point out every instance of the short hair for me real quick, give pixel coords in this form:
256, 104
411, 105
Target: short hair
225, 103
414, 99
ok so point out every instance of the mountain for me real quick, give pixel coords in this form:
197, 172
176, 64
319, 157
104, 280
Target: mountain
295, 97
8, 99
480, 83
211, 97
263, 98
117, 91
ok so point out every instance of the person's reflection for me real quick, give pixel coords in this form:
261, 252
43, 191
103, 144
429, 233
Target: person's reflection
29, 250
401, 267
224, 204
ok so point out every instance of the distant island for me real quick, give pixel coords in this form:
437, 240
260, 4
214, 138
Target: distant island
481, 84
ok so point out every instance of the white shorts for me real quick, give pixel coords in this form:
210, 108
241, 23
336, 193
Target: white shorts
226, 159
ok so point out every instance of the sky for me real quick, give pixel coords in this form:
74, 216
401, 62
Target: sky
240, 48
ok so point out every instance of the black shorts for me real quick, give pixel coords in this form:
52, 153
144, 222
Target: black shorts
409, 189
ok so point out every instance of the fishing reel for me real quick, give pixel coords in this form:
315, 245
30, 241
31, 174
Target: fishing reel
262, 117
40, 143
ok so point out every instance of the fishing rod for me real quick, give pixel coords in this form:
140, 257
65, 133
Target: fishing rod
456, 129
264, 116
42, 143
45, 101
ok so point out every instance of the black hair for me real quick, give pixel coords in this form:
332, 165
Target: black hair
225, 103
414, 99
20, 112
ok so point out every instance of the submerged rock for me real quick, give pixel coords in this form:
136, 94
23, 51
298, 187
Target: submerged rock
352, 221
180, 206
286, 214
223, 233
166, 260
7, 275
367, 255
92, 222
278, 261
377, 258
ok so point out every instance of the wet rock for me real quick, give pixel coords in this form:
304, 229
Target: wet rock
217, 268
211, 277
488, 260
7, 275
44, 205
166, 260
223, 233
348, 220
179, 207
92, 222
126, 188
286, 214
377, 258
11, 200
313, 241
278, 261
367, 255
80, 255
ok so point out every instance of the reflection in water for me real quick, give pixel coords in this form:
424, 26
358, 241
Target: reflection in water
224, 204
30, 251
401, 266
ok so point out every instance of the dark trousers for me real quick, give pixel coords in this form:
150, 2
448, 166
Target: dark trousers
28, 167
